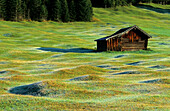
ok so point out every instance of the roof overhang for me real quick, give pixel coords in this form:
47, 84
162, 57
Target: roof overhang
123, 32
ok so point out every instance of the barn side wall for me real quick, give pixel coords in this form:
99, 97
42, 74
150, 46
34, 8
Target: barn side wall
101, 46
133, 41
114, 44
146, 44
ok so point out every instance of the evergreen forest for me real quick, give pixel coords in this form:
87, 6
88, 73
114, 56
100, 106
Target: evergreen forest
115, 3
59, 10
40, 10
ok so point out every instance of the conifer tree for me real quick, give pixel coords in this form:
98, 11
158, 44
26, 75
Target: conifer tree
19, 15
54, 10
35, 8
13, 10
104, 3
109, 3
43, 13
115, 3
26, 9
64, 11
2, 9
84, 10
72, 10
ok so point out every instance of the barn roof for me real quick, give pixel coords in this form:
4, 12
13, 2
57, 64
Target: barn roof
123, 31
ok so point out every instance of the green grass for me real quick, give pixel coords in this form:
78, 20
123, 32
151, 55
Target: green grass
73, 55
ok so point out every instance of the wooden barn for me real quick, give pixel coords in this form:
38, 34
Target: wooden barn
126, 39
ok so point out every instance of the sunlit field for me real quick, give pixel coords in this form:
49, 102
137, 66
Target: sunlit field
55, 66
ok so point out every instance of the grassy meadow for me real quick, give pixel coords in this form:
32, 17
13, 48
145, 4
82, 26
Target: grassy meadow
55, 66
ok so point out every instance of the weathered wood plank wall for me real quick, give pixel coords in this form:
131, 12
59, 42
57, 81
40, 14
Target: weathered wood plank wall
130, 41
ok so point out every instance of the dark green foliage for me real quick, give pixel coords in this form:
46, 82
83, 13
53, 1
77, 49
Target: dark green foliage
98, 3
72, 10
35, 7
163, 2
40, 10
43, 13
109, 3
2, 9
13, 10
83, 10
60, 10
115, 3
54, 8
64, 11
26, 7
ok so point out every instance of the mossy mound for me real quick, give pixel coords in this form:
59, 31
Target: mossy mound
157, 81
87, 78
31, 89
45, 88
75, 72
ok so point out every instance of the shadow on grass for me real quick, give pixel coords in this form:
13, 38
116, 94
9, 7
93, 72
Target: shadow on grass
158, 67
159, 10
2, 78
119, 56
151, 81
135, 63
31, 89
81, 78
76, 50
103, 66
127, 72
2, 72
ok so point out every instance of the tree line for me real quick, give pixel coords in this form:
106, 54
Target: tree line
112, 3
163, 2
115, 3
59, 10
40, 10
